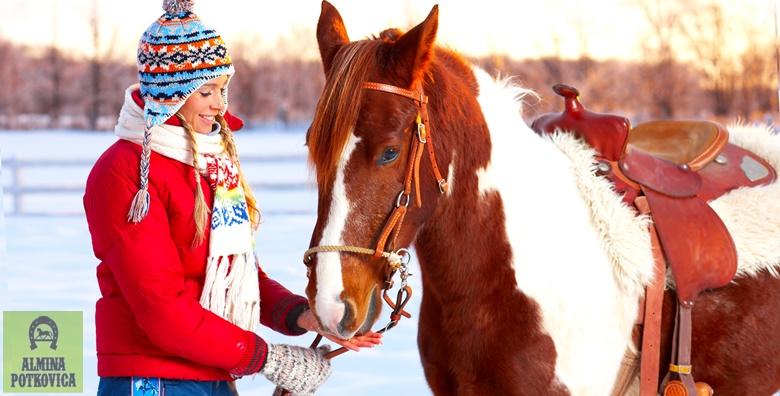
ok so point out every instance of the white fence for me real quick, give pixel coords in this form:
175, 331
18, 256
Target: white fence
286, 195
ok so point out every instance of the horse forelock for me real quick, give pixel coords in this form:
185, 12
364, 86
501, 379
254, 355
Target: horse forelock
337, 109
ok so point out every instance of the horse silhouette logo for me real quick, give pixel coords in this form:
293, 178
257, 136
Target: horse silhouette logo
43, 329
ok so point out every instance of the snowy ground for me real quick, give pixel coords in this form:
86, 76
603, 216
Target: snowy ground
46, 261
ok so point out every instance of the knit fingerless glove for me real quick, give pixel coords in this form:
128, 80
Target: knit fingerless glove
297, 369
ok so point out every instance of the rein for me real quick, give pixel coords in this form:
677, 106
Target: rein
397, 260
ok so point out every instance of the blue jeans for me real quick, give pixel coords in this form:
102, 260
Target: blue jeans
137, 386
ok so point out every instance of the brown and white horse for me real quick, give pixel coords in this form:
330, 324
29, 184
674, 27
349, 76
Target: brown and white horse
524, 290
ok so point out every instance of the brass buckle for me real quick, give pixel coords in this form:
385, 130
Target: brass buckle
422, 134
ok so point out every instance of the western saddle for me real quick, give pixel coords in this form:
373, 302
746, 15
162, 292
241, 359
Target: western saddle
669, 170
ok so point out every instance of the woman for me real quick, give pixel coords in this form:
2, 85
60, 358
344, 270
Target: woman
181, 290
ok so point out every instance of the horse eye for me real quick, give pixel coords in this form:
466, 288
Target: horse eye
388, 156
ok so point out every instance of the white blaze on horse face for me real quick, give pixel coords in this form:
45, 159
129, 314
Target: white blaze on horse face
330, 308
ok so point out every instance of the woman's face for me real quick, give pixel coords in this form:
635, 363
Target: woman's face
204, 104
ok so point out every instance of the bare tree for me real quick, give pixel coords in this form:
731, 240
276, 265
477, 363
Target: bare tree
245, 85
95, 69
9, 78
55, 64
660, 79
756, 80
553, 65
707, 32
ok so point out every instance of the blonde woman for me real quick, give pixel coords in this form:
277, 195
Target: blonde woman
172, 221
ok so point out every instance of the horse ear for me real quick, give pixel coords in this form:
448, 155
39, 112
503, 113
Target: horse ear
414, 49
331, 34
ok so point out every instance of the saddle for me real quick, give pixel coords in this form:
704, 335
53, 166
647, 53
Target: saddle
669, 170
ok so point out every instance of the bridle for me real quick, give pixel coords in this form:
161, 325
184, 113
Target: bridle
397, 260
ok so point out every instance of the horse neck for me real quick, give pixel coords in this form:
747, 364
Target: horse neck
465, 236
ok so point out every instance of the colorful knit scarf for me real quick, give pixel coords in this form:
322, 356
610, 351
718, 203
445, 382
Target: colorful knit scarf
231, 288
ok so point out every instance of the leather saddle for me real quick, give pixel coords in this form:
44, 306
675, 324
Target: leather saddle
678, 167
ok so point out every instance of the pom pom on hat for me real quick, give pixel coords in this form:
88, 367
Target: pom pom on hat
176, 7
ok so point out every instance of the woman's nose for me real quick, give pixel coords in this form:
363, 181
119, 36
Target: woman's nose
218, 103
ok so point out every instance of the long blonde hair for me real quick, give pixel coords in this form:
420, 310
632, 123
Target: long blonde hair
202, 210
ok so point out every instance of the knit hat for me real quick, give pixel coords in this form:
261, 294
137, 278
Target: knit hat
177, 54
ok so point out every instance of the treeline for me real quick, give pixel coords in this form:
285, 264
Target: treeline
651, 90
699, 59
46, 88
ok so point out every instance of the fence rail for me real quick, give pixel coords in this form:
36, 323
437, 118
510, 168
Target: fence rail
19, 189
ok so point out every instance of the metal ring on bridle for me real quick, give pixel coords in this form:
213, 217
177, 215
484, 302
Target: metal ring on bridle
441, 183
398, 200
404, 254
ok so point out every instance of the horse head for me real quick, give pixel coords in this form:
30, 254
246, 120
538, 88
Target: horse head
362, 146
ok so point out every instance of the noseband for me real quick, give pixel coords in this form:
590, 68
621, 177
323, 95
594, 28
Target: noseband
397, 260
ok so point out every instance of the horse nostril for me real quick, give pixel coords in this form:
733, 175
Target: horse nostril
349, 316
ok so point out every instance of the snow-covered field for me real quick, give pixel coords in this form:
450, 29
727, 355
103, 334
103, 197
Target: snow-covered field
46, 261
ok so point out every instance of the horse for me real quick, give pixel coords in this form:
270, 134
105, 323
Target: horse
529, 288
43, 335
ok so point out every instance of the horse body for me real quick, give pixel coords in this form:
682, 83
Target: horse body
520, 294
552, 236
527, 298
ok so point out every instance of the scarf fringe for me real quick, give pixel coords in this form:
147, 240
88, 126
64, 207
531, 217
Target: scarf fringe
232, 289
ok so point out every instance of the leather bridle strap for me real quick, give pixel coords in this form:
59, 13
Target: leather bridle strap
424, 136
413, 95
422, 101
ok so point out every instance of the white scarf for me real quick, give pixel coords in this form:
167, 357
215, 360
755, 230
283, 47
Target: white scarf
231, 289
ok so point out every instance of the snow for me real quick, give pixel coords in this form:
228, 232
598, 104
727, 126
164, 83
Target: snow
46, 260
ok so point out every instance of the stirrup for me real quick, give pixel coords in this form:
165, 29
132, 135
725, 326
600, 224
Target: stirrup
676, 388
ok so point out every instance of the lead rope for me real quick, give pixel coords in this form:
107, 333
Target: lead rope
402, 298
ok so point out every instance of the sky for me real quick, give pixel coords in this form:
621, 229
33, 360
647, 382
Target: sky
519, 28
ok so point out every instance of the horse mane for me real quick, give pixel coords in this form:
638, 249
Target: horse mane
337, 109
390, 35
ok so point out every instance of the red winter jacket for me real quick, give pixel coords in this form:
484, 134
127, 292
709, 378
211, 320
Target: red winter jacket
149, 321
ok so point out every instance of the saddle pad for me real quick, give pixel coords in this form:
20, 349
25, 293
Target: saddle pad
695, 242
752, 215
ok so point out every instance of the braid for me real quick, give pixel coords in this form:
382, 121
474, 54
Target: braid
230, 147
201, 212
139, 207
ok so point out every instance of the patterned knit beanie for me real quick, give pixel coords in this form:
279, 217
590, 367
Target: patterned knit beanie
177, 54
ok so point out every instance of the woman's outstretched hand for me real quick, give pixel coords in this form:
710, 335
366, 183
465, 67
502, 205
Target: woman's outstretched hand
367, 340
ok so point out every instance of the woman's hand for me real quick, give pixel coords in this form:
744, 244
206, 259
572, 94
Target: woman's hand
369, 340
